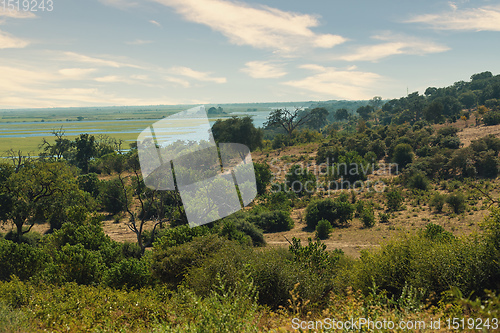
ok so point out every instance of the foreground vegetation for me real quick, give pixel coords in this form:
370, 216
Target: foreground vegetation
222, 277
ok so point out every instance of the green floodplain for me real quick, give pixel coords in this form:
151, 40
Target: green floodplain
24, 129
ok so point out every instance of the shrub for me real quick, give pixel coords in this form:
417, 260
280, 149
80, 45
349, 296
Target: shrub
112, 196
300, 180
403, 155
437, 233
368, 217
491, 118
74, 263
263, 176
169, 265
323, 229
430, 266
437, 201
21, 260
167, 238
394, 200
383, 217
272, 221
31, 238
129, 273
335, 211
419, 181
89, 183
456, 202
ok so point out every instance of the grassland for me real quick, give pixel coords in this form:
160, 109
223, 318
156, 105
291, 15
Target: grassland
24, 129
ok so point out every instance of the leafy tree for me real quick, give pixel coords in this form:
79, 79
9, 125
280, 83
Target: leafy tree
434, 112
263, 176
481, 76
403, 155
318, 118
341, 114
365, 111
61, 148
468, 99
238, 130
28, 195
286, 119
85, 147
376, 102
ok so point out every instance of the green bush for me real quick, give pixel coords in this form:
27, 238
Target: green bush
394, 200
129, 273
368, 217
437, 201
300, 181
21, 260
491, 118
403, 155
337, 212
169, 265
323, 229
179, 235
419, 181
74, 263
428, 265
89, 183
437, 233
31, 238
112, 196
456, 201
263, 176
272, 221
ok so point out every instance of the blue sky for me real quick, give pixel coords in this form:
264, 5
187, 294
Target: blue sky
150, 52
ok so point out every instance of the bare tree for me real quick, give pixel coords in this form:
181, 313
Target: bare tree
286, 119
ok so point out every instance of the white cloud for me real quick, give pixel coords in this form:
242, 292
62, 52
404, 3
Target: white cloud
76, 73
259, 27
139, 42
177, 81
7, 41
486, 18
394, 44
155, 23
200, 76
122, 4
37, 87
16, 14
332, 83
97, 61
263, 70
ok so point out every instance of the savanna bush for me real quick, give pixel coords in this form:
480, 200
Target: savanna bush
300, 180
130, 273
437, 201
323, 229
21, 260
368, 217
429, 264
170, 264
271, 221
456, 201
394, 200
337, 212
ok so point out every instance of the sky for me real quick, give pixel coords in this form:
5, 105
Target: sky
76, 53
